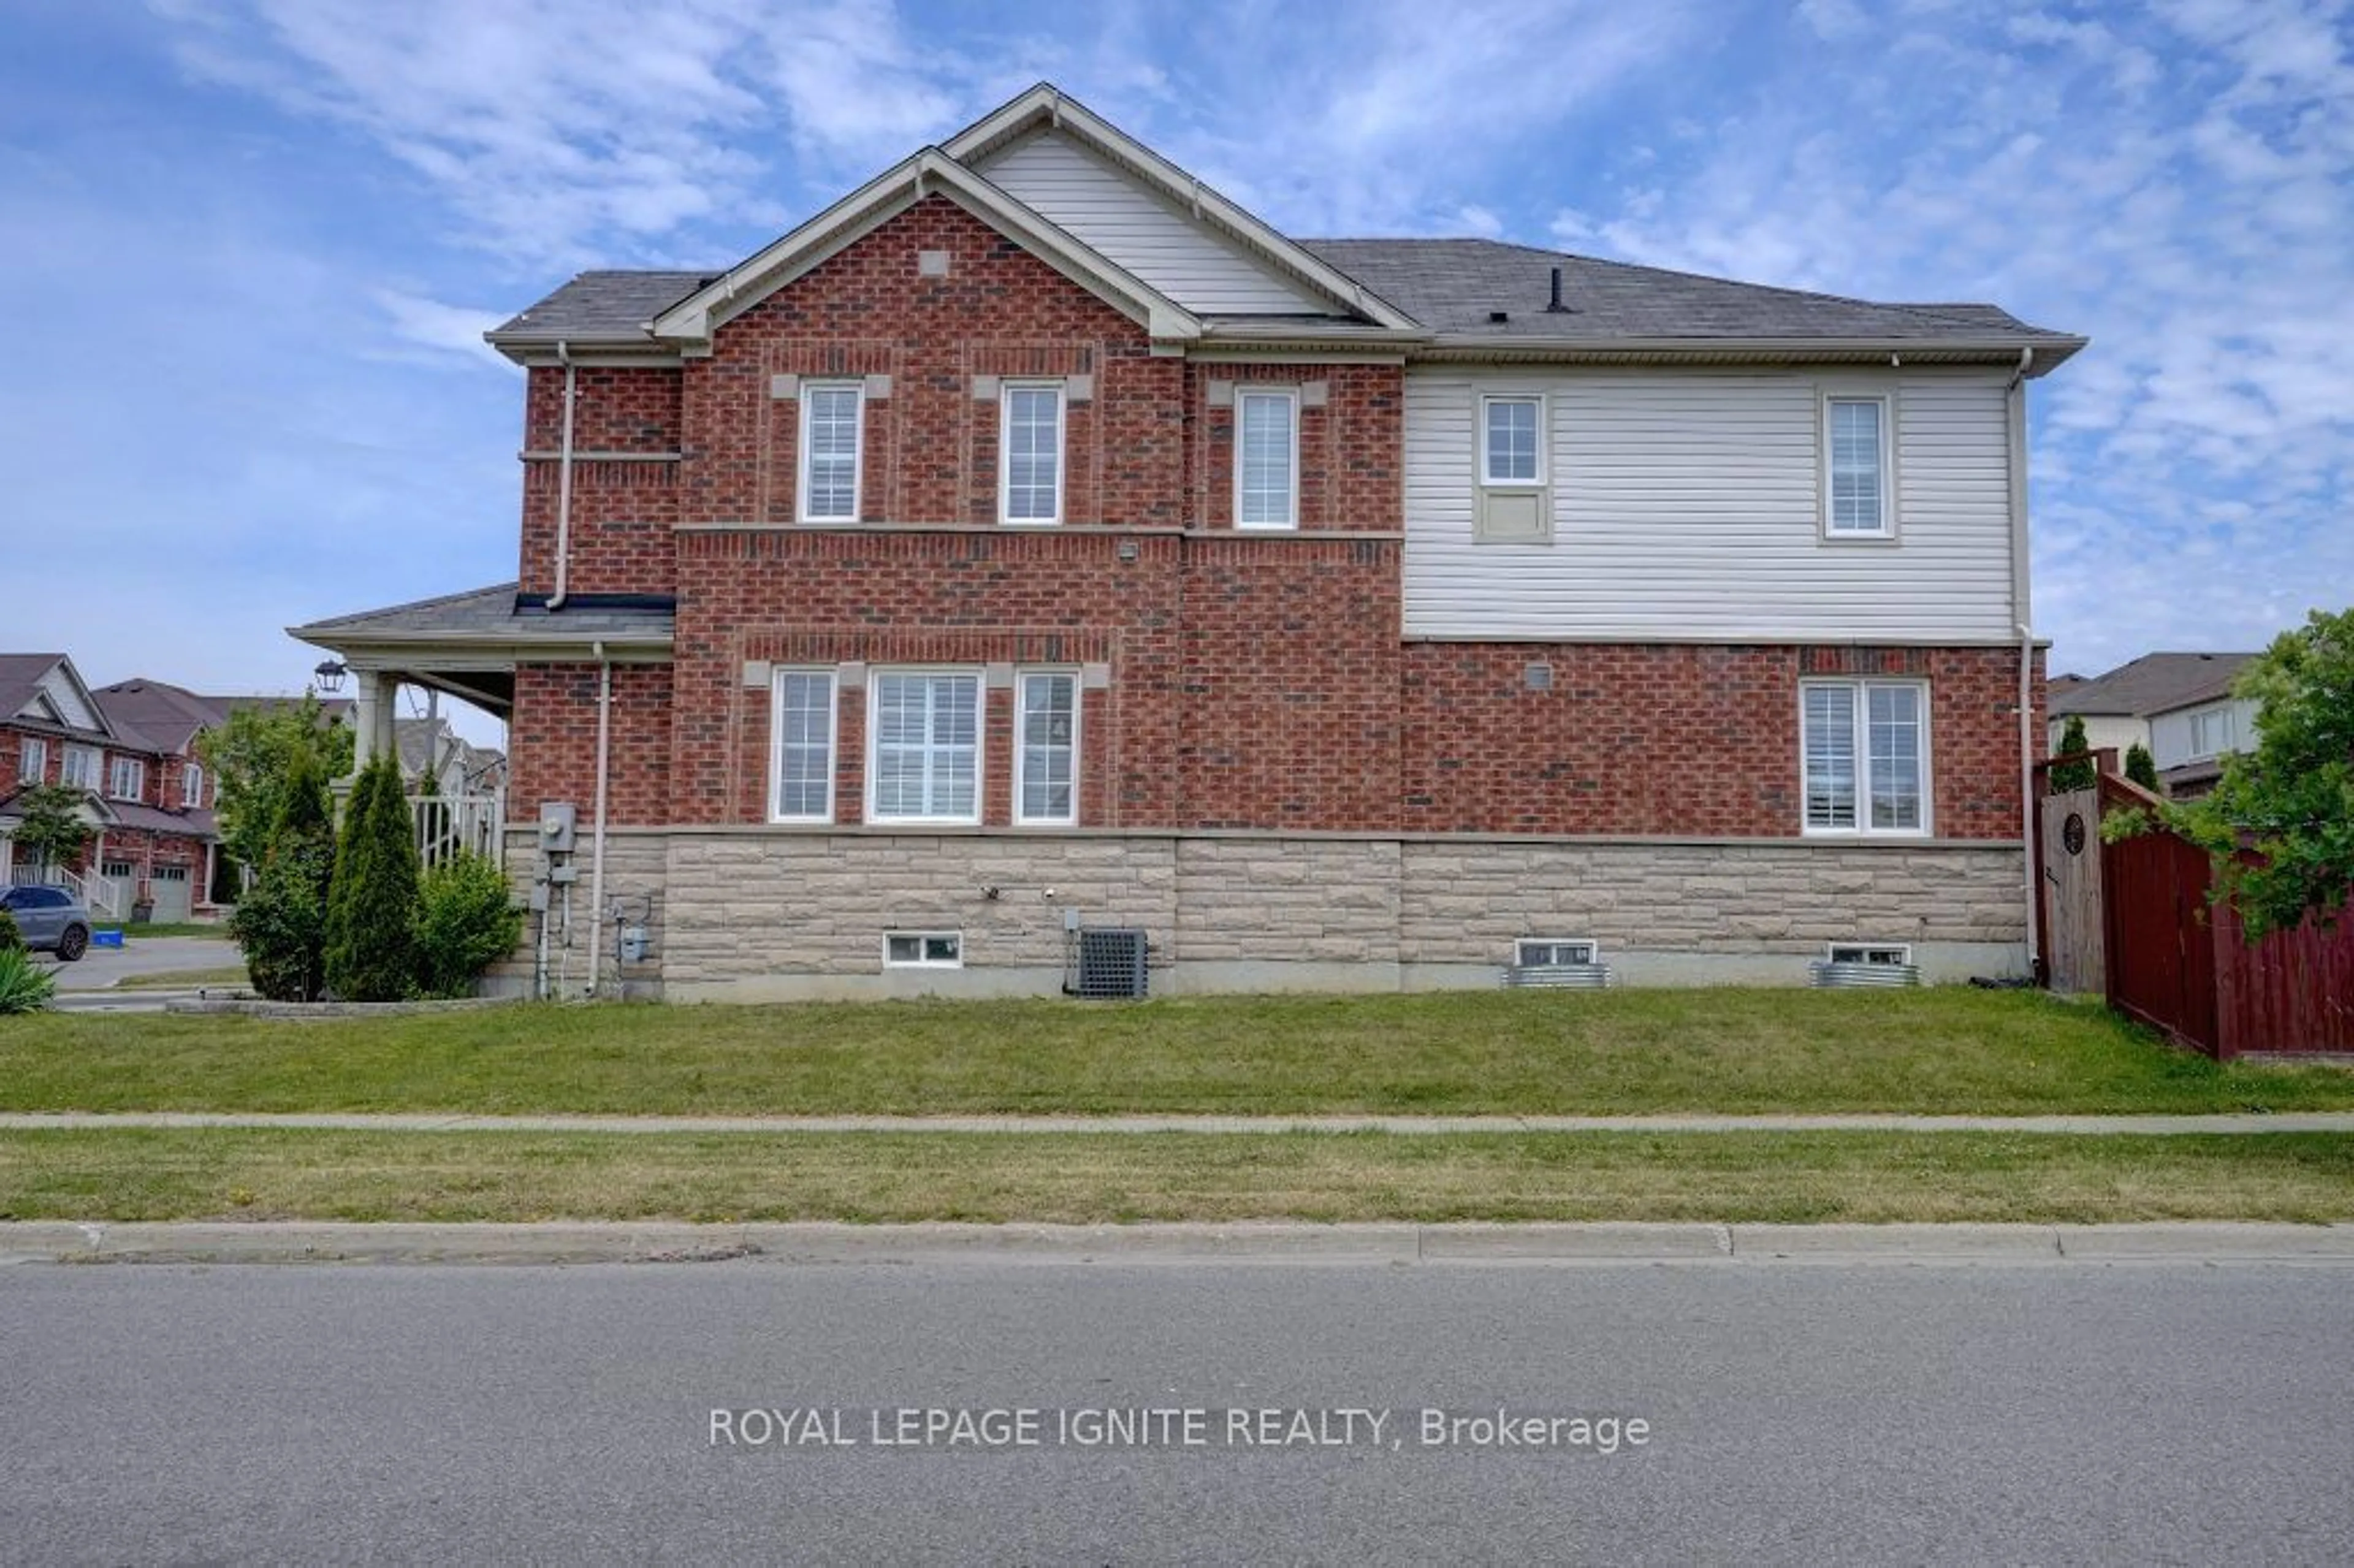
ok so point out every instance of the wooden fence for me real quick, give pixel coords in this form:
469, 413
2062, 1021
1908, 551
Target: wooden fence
2182, 964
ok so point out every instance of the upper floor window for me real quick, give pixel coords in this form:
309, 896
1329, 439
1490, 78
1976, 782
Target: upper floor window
1030, 459
2214, 731
831, 431
79, 768
1510, 451
192, 785
1266, 460
127, 779
32, 760
1863, 752
1045, 763
924, 756
1855, 448
802, 768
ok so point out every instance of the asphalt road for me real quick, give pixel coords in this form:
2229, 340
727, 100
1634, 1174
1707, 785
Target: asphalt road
1797, 1414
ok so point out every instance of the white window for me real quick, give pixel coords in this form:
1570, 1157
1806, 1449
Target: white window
800, 765
2212, 732
1047, 759
924, 759
192, 785
1554, 952
1865, 756
1896, 953
1266, 460
32, 760
1030, 459
79, 768
830, 419
923, 949
127, 779
1855, 450
1510, 452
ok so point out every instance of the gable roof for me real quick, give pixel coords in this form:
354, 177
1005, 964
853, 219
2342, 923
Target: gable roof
23, 677
2153, 683
1430, 298
169, 717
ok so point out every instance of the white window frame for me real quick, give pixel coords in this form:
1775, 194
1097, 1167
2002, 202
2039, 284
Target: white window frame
803, 511
1830, 399
777, 679
874, 679
2221, 712
1899, 953
1290, 397
1005, 394
32, 759
1520, 947
114, 772
1858, 688
1021, 745
924, 940
192, 785
82, 766
1488, 479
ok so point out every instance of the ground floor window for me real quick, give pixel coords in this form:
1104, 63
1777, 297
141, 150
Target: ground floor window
1864, 755
924, 760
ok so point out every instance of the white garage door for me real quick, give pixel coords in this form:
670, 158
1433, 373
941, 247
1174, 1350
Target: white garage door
171, 886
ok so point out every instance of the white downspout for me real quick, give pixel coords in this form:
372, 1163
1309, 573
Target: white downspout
564, 483
2022, 608
596, 849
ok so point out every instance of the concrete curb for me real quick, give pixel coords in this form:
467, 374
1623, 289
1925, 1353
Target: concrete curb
2228, 1125
1397, 1245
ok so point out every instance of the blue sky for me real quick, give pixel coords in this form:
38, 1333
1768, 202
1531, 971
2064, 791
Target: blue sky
248, 248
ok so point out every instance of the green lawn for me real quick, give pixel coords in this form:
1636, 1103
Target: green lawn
1107, 1178
1944, 1050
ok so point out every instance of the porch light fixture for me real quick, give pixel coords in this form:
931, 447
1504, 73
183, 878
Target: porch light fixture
330, 674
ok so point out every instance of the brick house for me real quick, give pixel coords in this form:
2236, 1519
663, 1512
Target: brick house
149, 806
1036, 537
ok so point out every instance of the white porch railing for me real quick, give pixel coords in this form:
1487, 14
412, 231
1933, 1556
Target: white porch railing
449, 825
96, 893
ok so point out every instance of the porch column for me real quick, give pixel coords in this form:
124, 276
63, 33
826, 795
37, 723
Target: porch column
373, 711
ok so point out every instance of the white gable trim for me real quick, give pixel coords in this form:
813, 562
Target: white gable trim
62, 680
928, 172
1047, 104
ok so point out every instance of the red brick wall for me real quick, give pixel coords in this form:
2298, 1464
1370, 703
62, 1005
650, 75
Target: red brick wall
1652, 739
1352, 449
621, 512
553, 743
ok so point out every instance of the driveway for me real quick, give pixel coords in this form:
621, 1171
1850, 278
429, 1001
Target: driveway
102, 967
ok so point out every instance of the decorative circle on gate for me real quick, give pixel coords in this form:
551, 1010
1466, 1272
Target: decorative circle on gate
2072, 832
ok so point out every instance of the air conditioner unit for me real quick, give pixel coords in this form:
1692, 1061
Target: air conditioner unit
1108, 962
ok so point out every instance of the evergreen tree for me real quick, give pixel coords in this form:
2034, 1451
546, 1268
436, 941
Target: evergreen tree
371, 902
2070, 776
281, 923
2141, 768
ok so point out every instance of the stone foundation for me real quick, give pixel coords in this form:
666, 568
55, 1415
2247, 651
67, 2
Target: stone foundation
759, 915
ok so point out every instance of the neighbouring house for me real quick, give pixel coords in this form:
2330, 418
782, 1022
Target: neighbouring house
153, 848
2177, 705
430, 748
1036, 548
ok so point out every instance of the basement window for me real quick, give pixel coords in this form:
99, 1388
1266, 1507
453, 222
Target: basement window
1896, 953
923, 950
1554, 952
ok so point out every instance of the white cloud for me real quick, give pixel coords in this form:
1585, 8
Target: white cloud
451, 331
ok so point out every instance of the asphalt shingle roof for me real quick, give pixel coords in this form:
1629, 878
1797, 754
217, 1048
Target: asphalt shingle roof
603, 305
2153, 683
490, 612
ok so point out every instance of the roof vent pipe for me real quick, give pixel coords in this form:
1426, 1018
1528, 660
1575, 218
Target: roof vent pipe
1554, 306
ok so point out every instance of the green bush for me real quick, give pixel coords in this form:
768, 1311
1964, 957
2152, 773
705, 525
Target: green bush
466, 921
371, 902
281, 923
2141, 767
25, 987
2070, 776
11, 940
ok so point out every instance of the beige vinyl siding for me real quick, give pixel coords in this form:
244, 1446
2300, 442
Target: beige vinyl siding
1687, 505
1158, 242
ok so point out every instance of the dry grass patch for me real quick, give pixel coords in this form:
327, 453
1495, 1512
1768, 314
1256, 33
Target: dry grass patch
1743, 1177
